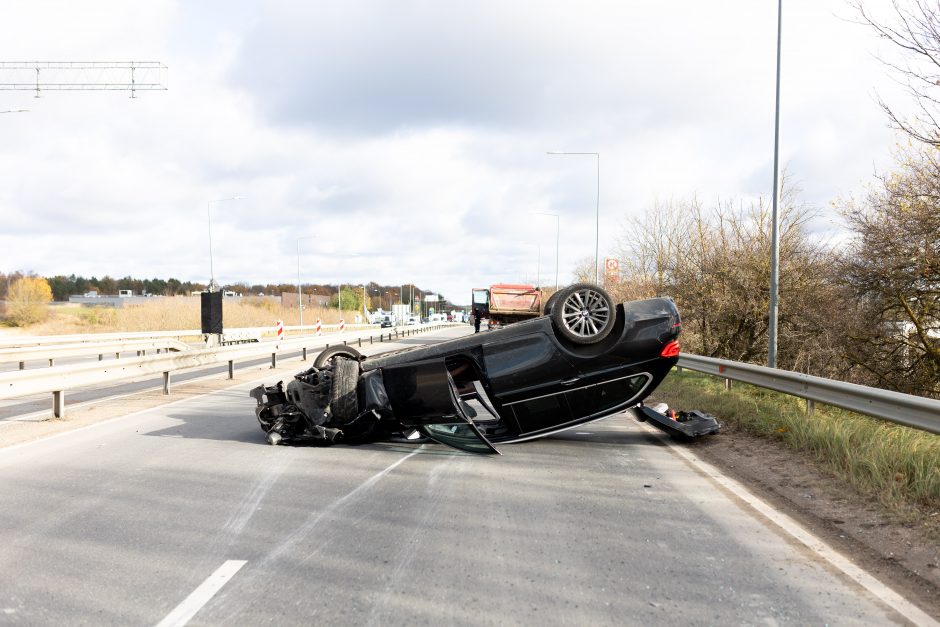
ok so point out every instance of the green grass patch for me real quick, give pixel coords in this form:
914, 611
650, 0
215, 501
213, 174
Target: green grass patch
897, 465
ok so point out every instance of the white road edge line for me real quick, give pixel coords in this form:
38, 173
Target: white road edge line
201, 595
883, 592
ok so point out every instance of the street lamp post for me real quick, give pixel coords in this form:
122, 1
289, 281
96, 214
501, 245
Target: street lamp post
775, 226
212, 283
557, 223
300, 298
597, 227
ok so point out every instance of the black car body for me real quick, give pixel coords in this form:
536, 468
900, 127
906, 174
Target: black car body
582, 361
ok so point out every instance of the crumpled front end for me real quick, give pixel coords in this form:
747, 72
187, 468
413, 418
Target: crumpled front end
301, 413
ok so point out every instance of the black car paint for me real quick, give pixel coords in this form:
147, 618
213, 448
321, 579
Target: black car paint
536, 382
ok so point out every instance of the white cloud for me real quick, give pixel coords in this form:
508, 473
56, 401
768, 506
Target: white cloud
406, 141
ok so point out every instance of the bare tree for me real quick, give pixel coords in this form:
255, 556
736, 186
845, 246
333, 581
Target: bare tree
915, 30
893, 270
715, 262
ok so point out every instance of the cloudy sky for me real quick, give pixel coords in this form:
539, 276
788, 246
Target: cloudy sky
406, 141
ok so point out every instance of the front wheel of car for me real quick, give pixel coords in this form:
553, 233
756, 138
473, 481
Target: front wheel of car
583, 313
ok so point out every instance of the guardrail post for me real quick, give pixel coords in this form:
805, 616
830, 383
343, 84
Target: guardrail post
58, 403
231, 368
727, 384
274, 360
51, 362
100, 357
117, 355
360, 342
810, 407
304, 358
679, 369
22, 365
166, 383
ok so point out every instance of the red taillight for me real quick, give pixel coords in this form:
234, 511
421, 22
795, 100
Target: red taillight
670, 350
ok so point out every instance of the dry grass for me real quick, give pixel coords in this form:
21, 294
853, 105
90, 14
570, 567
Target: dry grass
895, 464
175, 313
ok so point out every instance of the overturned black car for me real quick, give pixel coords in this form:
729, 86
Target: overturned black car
585, 359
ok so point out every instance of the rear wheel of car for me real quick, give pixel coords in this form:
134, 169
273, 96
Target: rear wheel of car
583, 313
323, 359
344, 405
550, 303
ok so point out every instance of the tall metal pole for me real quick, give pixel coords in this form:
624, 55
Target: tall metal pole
209, 222
538, 268
557, 230
597, 222
211, 268
775, 227
597, 226
300, 300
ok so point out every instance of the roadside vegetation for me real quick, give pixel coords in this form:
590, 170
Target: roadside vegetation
895, 465
173, 313
27, 301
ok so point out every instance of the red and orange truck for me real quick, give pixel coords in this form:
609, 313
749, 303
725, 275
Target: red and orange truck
505, 303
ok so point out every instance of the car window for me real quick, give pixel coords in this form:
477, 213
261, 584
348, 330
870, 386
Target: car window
463, 436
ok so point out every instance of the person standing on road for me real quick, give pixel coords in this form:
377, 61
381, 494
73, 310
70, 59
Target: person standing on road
476, 320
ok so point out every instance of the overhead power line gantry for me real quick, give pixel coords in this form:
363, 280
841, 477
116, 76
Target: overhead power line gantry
40, 76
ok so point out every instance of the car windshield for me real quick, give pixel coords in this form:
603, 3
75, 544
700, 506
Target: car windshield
462, 436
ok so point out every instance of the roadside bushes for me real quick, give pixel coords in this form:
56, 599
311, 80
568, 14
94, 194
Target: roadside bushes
892, 463
28, 301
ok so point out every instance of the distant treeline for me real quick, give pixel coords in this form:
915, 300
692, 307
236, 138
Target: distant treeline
65, 286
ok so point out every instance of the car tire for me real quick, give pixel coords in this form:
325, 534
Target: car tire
344, 404
323, 359
551, 302
583, 313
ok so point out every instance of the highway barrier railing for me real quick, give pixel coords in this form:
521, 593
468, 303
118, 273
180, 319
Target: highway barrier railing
21, 341
60, 379
52, 352
906, 409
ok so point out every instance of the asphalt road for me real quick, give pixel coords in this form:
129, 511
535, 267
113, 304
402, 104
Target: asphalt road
182, 511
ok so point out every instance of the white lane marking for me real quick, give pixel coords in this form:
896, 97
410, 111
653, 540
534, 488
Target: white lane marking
304, 530
201, 595
888, 596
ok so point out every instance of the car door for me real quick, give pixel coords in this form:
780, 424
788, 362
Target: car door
422, 395
529, 375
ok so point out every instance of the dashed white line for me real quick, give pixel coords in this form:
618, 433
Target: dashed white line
201, 595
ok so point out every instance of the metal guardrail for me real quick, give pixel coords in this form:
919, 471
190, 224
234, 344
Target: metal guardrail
52, 352
124, 336
59, 379
45, 340
906, 409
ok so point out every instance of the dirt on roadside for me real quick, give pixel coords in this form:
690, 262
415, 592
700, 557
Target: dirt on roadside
901, 548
